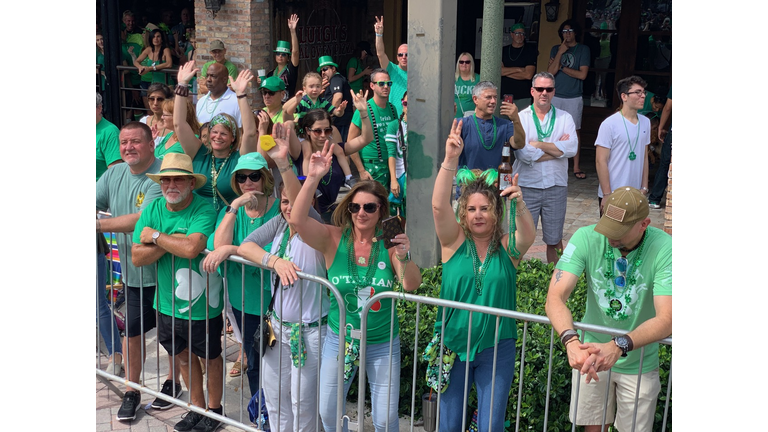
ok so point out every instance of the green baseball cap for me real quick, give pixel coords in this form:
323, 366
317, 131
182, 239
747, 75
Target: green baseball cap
273, 83
326, 61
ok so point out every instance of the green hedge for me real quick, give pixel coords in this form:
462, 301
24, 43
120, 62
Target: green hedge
532, 283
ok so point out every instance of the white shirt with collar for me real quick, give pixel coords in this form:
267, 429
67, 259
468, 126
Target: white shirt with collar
227, 103
554, 172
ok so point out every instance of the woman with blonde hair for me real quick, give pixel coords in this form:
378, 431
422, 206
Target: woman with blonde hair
466, 79
169, 143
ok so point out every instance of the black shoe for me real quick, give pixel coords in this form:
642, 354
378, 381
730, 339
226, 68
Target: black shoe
188, 421
167, 386
207, 424
131, 404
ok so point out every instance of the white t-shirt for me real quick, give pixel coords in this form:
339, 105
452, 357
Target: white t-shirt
227, 103
615, 133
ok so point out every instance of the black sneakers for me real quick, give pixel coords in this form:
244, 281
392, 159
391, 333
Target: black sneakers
207, 424
131, 404
162, 404
188, 421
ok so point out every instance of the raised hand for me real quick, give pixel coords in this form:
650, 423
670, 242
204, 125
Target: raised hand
513, 191
339, 111
155, 131
321, 161
454, 145
360, 100
293, 21
187, 72
281, 134
299, 95
263, 122
240, 84
379, 26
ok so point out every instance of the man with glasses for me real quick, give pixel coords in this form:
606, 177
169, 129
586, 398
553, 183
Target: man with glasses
628, 266
337, 90
219, 54
288, 70
172, 232
542, 165
621, 156
126, 191
569, 63
398, 72
372, 161
518, 66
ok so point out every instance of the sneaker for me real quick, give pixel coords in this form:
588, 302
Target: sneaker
188, 421
162, 404
131, 404
654, 205
350, 182
207, 424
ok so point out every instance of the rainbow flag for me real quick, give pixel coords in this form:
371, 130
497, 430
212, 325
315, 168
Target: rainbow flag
114, 258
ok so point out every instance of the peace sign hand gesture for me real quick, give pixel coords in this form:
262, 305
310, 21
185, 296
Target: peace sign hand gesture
454, 145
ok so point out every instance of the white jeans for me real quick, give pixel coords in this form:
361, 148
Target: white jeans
294, 389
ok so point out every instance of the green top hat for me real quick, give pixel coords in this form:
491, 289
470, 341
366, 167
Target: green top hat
326, 61
283, 47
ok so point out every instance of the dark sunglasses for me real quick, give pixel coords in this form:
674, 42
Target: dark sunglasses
157, 99
464, 62
325, 68
266, 92
254, 176
402, 54
281, 54
405, 103
318, 131
369, 208
383, 83
544, 89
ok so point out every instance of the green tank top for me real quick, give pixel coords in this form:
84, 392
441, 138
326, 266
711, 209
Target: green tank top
153, 76
355, 296
499, 291
161, 151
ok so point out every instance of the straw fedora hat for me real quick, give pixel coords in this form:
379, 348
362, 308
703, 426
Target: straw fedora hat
178, 165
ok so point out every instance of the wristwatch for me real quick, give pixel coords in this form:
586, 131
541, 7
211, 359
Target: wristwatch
229, 209
623, 343
155, 236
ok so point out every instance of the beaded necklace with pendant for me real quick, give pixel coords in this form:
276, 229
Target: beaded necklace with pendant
352, 267
374, 124
550, 127
477, 268
615, 307
632, 156
214, 177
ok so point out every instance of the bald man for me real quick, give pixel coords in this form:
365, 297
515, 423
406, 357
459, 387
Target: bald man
397, 72
219, 98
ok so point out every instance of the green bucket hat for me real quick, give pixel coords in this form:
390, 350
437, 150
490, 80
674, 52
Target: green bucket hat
326, 61
273, 83
283, 47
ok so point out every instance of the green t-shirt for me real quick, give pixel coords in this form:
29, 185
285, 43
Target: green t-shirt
278, 118
354, 63
107, 146
161, 151
198, 217
499, 291
135, 40
399, 79
462, 95
244, 225
122, 192
355, 297
586, 252
231, 69
381, 117
202, 164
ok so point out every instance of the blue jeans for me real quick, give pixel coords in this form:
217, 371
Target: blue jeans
480, 372
253, 358
662, 172
107, 325
377, 367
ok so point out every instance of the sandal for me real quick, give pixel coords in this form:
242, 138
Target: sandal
581, 175
236, 370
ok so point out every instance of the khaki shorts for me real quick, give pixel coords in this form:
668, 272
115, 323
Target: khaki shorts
621, 391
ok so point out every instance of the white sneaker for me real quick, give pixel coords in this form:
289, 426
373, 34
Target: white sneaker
654, 206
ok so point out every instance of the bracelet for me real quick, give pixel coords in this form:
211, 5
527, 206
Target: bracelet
265, 259
242, 96
275, 262
182, 91
406, 259
98, 226
565, 345
183, 84
520, 208
379, 34
567, 334
282, 170
446, 168
154, 68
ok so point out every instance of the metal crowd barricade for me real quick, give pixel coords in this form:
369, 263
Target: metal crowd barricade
499, 313
126, 241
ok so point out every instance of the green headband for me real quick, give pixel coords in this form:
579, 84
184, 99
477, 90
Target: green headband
465, 176
222, 119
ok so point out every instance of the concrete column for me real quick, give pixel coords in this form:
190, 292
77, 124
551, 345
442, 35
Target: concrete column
493, 21
431, 67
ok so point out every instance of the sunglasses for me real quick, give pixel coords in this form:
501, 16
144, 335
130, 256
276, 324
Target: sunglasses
157, 99
254, 176
621, 266
405, 103
544, 89
568, 31
319, 131
325, 69
464, 62
518, 34
402, 54
369, 208
267, 92
383, 83
281, 54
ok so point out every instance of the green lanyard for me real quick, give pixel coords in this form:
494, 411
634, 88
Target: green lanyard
632, 155
550, 126
482, 141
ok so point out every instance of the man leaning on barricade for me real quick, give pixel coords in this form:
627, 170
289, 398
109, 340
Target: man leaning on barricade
125, 191
628, 267
172, 232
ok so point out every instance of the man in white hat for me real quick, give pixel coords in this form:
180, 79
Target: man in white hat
628, 267
172, 232
125, 191
288, 70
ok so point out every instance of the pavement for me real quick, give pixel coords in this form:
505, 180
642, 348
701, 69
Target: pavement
582, 210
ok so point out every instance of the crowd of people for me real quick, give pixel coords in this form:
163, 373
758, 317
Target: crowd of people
215, 174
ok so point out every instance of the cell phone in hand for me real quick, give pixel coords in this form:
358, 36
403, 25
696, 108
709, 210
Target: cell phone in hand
391, 226
508, 98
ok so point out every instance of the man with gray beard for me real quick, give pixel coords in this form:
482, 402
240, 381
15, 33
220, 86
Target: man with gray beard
172, 232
